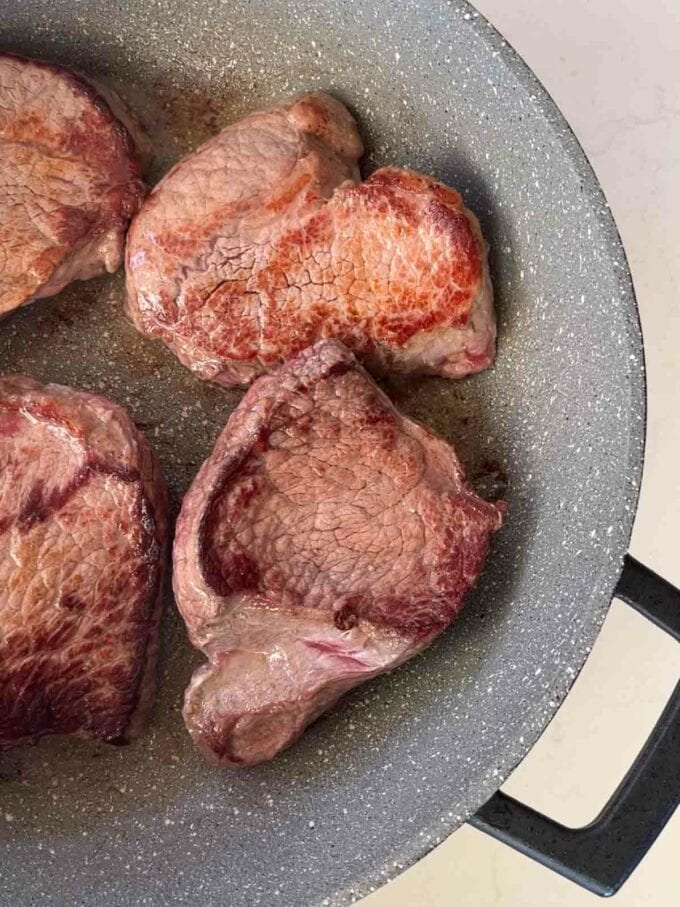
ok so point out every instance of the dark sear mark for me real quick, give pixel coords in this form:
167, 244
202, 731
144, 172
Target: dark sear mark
40, 504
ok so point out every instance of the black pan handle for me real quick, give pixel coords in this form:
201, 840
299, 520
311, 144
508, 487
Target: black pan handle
602, 855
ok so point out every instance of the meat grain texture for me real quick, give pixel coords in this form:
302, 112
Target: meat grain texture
70, 180
82, 540
326, 540
265, 240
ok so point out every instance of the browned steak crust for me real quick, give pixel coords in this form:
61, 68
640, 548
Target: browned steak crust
83, 515
327, 539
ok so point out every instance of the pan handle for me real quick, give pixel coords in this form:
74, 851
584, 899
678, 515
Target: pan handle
602, 855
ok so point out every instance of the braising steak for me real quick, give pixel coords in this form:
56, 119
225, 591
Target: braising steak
326, 540
264, 241
82, 539
69, 180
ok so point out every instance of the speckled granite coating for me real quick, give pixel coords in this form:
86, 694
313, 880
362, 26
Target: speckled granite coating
403, 762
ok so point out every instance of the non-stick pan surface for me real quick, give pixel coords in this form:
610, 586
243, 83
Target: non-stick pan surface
404, 761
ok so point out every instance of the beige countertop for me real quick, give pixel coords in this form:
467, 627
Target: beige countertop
611, 66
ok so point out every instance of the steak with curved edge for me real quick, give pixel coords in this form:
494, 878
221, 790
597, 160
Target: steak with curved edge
263, 241
82, 539
69, 180
326, 540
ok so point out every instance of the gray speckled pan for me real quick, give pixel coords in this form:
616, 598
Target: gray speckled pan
406, 760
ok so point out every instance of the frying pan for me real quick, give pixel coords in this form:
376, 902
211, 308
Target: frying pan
406, 760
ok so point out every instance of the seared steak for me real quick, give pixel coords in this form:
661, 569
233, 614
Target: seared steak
82, 536
325, 540
69, 181
263, 241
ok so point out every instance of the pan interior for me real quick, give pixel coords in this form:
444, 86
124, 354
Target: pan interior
405, 760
